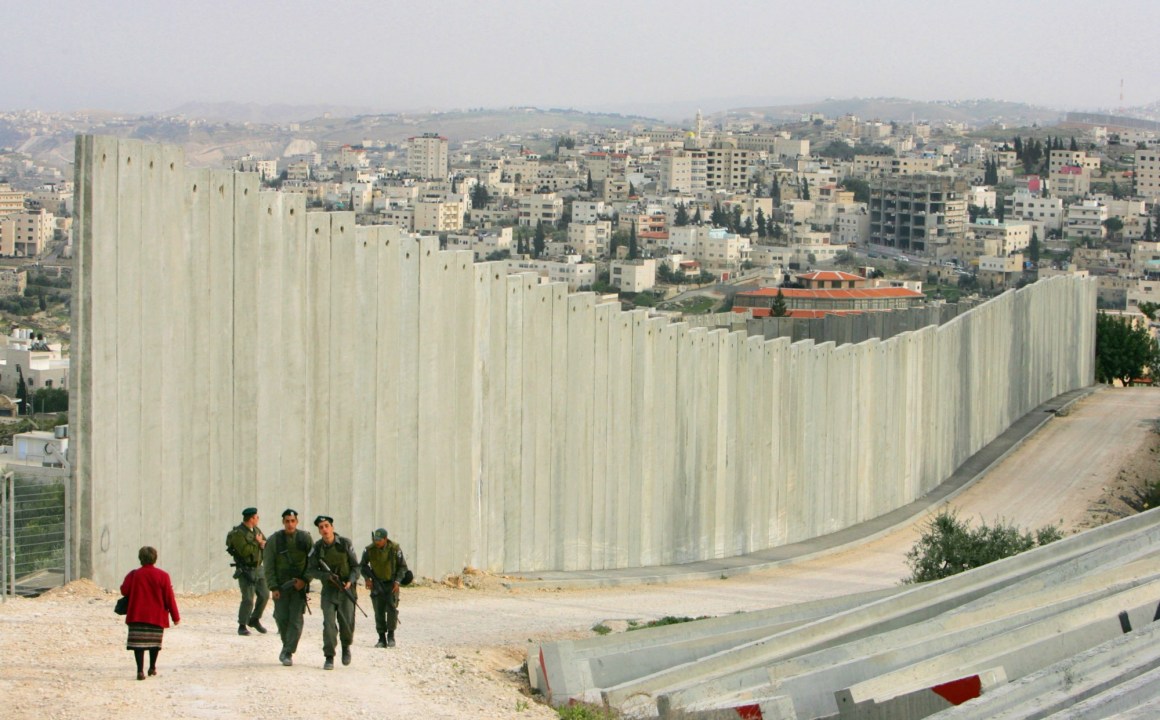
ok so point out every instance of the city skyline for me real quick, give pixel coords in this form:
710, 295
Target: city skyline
601, 56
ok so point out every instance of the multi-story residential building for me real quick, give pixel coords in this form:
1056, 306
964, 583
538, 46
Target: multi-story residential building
11, 201
590, 239
981, 196
917, 213
1029, 207
26, 234
1070, 171
266, 169
572, 272
727, 166
1008, 238
1148, 173
1000, 271
427, 156
852, 225
438, 216
545, 208
588, 211
716, 249
482, 243
912, 165
633, 275
682, 171
1084, 222
57, 198
868, 165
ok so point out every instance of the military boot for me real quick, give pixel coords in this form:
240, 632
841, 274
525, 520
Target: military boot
242, 630
257, 625
346, 654
285, 658
382, 643
391, 638
329, 664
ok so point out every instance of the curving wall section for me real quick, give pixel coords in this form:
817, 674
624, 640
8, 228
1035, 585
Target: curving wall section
232, 349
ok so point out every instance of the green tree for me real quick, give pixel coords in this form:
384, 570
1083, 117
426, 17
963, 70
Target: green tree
50, 400
538, 240
762, 227
1123, 349
859, 187
1033, 248
778, 308
805, 192
1149, 309
22, 391
633, 251
480, 197
949, 546
682, 218
1114, 225
775, 192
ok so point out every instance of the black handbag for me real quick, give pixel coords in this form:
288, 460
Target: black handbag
122, 606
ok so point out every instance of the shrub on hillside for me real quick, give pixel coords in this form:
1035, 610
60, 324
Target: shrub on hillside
949, 546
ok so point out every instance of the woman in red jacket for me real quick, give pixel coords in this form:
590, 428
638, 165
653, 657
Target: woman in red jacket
151, 604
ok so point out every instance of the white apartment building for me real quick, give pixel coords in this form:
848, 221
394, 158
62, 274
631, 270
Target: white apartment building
1002, 238
1148, 173
482, 243
788, 148
865, 165
266, 169
41, 364
590, 238
572, 272
545, 208
427, 156
981, 196
588, 211
26, 234
1085, 221
716, 249
633, 275
852, 225
1070, 171
1026, 206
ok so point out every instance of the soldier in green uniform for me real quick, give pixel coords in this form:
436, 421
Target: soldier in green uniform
384, 566
332, 561
286, 556
245, 544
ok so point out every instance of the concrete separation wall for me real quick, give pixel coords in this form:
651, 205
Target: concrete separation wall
231, 349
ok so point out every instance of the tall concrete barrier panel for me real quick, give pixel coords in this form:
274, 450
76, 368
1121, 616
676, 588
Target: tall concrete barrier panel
233, 349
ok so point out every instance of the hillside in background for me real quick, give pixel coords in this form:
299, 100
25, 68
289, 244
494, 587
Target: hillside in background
970, 112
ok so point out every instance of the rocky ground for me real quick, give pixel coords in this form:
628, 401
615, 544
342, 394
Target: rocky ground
462, 640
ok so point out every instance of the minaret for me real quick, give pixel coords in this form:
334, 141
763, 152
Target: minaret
700, 123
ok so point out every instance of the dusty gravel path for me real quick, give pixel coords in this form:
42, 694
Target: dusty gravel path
62, 655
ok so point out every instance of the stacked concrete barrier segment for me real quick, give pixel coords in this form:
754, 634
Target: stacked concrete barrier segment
1013, 617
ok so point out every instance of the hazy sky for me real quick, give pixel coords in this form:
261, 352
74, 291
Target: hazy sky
601, 54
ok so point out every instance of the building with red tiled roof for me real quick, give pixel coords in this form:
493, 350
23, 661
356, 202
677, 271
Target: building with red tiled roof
835, 301
832, 279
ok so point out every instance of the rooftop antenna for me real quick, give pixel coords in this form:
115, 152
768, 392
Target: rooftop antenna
1121, 110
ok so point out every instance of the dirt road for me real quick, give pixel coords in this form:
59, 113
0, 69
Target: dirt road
460, 650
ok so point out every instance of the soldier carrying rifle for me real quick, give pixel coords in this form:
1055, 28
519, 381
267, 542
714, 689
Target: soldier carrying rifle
384, 568
332, 561
285, 561
245, 544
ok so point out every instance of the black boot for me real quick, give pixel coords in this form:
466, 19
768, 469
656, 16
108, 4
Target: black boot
257, 625
391, 638
382, 643
242, 630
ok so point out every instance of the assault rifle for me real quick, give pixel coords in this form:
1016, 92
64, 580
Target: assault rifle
288, 586
337, 582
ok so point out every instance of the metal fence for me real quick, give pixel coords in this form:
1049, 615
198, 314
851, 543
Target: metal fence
34, 525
